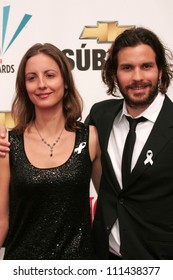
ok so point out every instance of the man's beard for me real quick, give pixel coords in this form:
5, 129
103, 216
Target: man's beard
143, 102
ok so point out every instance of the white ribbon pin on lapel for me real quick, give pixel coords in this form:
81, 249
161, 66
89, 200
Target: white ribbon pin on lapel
149, 156
80, 148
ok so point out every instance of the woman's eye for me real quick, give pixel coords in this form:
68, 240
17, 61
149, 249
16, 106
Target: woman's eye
30, 78
50, 75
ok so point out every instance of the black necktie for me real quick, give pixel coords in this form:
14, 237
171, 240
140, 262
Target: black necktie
128, 148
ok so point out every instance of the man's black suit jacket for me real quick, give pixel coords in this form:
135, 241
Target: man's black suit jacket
145, 206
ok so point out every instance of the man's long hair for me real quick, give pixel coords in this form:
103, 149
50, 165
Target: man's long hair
131, 38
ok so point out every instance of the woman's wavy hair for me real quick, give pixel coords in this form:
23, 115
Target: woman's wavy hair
131, 38
23, 111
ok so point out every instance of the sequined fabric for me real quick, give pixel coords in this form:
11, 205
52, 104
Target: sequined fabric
49, 208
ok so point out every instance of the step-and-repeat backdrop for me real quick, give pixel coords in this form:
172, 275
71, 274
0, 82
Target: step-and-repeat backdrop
83, 30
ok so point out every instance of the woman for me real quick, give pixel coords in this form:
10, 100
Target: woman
44, 189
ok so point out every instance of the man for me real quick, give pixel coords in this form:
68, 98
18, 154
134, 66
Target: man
134, 219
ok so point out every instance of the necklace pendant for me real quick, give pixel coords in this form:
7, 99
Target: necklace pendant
51, 147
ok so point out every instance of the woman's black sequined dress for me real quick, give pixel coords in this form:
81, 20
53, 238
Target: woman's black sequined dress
49, 208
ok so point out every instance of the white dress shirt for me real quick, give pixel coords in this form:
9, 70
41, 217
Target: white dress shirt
115, 149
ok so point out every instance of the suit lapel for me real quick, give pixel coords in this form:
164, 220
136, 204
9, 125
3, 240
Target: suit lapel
107, 125
158, 138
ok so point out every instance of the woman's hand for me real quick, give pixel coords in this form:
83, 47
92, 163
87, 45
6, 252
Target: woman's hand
4, 143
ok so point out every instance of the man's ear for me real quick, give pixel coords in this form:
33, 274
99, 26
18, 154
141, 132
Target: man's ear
160, 74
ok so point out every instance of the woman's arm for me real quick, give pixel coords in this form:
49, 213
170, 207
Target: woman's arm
95, 155
4, 197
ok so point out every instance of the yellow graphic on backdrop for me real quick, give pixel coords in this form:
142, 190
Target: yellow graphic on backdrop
104, 32
6, 119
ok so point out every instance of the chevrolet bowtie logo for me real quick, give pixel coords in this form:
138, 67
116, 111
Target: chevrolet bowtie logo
104, 32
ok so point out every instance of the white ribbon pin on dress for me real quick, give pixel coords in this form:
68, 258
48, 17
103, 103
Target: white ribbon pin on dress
80, 148
149, 156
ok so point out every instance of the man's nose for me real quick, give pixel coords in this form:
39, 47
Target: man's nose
137, 74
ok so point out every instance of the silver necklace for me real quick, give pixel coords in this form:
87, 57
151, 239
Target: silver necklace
51, 147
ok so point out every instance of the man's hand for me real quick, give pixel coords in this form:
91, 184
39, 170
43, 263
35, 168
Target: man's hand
4, 144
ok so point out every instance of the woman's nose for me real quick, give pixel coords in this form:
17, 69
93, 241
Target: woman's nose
41, 82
